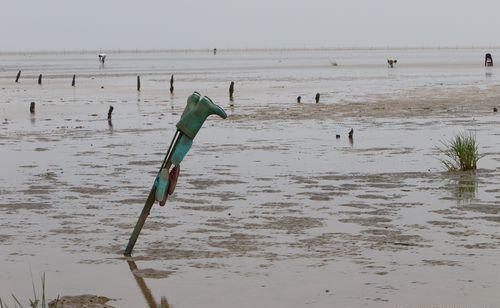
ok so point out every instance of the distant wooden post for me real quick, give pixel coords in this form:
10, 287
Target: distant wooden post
73, 81
32, 107
40, 79
298, 99
215, 51
351, 133
172, 84
316, 98
139, 83
18, 75
231, 90
110, 111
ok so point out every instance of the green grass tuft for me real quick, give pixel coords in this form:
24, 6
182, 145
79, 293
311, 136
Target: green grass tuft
35, 302
461, 153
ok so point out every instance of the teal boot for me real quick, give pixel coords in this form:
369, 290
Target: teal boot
193, 119
181, 149
192, 101
161, 186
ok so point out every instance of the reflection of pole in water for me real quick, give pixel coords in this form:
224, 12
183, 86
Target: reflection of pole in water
146, 292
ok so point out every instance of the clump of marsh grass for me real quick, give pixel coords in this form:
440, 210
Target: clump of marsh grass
461, 152
33, 303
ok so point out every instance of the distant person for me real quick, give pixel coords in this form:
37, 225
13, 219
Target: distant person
102, 58
488, 60
391, 62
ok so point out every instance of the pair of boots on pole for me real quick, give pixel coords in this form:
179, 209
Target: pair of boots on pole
197, 110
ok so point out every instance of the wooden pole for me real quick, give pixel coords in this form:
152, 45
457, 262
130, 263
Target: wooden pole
40, 79
73, 81
32, 107
231, 90
172, 84
298, 99
151, 198
18, 75
110, 111
317, 98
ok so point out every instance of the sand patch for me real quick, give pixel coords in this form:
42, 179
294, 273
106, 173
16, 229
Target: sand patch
78, 301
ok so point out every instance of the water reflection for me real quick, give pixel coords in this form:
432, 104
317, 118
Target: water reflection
110, 125
464, 187
488, 72
145, 290
231, 106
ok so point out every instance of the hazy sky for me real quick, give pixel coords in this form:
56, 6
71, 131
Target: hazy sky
104, 24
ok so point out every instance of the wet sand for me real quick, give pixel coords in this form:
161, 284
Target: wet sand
270, 209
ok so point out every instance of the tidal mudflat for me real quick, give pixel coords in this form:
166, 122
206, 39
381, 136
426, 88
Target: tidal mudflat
271, 209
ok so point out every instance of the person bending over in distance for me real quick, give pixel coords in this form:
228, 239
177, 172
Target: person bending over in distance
488, 60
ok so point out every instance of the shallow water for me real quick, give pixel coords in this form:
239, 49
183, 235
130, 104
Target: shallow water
270, 210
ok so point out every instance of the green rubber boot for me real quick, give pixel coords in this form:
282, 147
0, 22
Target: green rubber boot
192, 101
181, 149
161, 185
193, 120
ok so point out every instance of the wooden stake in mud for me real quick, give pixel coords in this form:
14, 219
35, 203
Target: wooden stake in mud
40, 79
18, 75
351, 133
231, 90
32, 107
298, 99
172, 84
151, 199
110, 111
73, 81
139, 83
194, 115
316, 98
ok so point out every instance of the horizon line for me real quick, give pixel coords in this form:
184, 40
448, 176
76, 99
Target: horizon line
253, 49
